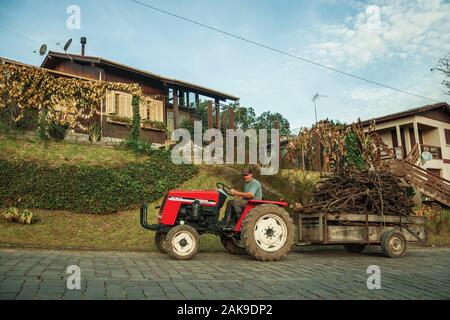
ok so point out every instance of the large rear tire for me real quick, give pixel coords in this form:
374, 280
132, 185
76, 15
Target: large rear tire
182, 242
268, 232
230, 245
160, 238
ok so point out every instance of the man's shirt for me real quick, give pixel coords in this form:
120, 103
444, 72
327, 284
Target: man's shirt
254, 187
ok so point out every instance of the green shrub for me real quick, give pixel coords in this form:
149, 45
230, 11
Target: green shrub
57, 131
139, 146
95, 132
89, 189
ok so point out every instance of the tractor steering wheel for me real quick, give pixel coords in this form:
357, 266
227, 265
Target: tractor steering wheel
224, 188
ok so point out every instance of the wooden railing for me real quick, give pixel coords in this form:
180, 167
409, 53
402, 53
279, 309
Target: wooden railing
414, 154
430, 184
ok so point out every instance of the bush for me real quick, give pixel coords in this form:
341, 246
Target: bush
95, 132
57, 131
89, 189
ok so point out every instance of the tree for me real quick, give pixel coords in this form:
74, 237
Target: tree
266, 121
244, 118
443, 66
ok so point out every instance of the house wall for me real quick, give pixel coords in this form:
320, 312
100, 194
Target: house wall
122, 132
434, 137
439, 137
149, 88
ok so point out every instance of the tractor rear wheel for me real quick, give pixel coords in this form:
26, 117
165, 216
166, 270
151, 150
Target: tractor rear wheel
268, 232
182, 242
231, 246
160, 238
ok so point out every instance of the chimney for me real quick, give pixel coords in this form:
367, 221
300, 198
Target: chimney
83, 45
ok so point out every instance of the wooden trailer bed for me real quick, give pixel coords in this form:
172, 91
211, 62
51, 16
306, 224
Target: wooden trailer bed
357, 230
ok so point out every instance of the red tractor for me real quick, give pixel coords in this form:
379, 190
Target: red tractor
264, 230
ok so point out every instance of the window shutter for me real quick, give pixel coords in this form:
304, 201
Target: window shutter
109, 103
122, 103
447, 136
129, 106
159, 111
143, 109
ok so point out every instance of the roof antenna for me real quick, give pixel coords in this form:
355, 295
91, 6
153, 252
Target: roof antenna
316, 97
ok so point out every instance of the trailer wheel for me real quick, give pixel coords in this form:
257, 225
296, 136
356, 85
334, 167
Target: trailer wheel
354, 248
182, 242
231, 246
268, 232
393, 244
160, 238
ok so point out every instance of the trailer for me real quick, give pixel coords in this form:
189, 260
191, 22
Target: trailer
355, 231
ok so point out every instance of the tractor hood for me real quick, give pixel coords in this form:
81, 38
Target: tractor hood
208, 197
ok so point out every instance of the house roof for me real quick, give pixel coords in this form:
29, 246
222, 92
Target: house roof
58, 73
167, 81
407, 113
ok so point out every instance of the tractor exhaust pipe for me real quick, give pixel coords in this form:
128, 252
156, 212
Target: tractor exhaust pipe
144, 221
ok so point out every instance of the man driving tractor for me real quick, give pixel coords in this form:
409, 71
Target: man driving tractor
252, 191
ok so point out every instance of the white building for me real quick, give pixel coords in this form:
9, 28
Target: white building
417, 133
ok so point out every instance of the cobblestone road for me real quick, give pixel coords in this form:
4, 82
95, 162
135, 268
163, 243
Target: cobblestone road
305, 274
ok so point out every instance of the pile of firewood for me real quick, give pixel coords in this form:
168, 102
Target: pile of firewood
373, 192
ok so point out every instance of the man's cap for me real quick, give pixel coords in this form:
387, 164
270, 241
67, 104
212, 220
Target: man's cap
247, 171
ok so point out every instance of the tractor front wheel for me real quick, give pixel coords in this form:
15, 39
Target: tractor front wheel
182, 242
230, 245
160, 238
268, 232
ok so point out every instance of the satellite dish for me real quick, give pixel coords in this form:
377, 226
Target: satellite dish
67, 45
43, 49
427, 156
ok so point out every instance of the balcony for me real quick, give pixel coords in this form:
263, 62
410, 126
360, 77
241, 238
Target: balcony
435, 151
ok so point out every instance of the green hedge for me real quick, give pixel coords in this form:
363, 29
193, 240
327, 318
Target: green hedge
88, 189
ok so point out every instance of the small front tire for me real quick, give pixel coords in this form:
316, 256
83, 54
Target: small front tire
182, 242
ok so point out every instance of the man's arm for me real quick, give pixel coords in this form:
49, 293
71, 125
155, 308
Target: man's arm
245, 195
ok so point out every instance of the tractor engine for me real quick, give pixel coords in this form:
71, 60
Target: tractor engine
199, 209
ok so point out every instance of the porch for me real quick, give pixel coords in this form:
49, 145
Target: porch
409, 140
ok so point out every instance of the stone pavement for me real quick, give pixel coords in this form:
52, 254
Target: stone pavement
306, 273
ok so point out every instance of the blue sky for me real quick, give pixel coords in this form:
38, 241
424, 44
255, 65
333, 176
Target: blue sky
393, 42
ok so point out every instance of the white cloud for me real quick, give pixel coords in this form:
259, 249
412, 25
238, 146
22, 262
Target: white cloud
385, 29
369, 102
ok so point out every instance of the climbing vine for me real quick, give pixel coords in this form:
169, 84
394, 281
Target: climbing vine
68, 101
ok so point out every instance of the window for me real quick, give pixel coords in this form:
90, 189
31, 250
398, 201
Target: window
447, 136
